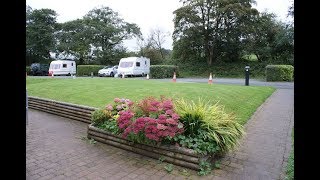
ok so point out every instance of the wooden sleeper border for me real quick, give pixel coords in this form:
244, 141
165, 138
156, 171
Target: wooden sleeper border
68, 110
176, 155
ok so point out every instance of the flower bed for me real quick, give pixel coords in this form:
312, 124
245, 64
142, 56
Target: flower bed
183, 133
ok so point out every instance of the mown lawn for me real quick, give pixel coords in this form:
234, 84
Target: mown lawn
290, 165
97, 92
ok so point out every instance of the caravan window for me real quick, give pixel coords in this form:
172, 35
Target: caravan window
126, 64
55, 66
64, 65
138, 64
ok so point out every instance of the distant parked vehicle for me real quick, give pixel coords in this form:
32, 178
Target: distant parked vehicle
62, 67
37, 69
134, 66
108, 71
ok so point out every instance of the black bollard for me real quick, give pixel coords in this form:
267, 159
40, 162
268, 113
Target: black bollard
247, 72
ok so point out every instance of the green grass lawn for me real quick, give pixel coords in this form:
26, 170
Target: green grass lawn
290, 165
97, 92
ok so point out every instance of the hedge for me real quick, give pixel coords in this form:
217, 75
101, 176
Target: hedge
279, 72
163, 71
85, 70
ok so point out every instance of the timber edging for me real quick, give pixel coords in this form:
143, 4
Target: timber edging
176, 155
68, 110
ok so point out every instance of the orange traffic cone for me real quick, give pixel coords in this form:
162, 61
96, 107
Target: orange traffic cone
147, 76
210, 79
174, 79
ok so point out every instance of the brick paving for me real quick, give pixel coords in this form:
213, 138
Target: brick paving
57, 148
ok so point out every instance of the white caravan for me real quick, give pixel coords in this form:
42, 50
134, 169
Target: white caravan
62, 67
134, 66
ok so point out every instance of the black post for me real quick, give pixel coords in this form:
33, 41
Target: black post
247, 72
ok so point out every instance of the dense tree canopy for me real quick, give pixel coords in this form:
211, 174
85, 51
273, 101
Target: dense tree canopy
98, 34
211, 28
40, 28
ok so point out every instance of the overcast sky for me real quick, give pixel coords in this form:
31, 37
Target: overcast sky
147, 14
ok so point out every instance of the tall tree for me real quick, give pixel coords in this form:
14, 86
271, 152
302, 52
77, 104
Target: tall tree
98, 34
40, 28
74, 38
209, 27
158, 38
108, 30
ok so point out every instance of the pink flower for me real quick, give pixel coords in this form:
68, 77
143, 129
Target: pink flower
119, 107
162, 117
171, 121
116, 100
109, 107
169, 112
161, 126
175, 116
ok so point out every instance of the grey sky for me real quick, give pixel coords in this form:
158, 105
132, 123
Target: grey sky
147, 14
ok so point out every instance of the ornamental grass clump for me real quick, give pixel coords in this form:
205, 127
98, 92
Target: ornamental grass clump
209, 123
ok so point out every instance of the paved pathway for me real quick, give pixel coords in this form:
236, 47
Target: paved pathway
56, 148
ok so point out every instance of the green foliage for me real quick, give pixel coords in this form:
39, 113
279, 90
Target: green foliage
107, 31
290, 165
191, 115
184, 172
205, 168
222, 69
161, 159
195, 36
40, 28
163, 71
89, 140
99, 116
217, 164
85, 70
199, 143
168, 168
74, 38
216, 125
279, 72
110, 125
28, 70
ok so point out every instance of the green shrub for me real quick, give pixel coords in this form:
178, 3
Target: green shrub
99, 116
212, 123
279, 72
85, 70
191, 115
163, 71
28, 70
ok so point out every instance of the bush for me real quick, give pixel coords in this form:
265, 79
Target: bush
279, 72
163, 71
85, 70
28, 70
212, 122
